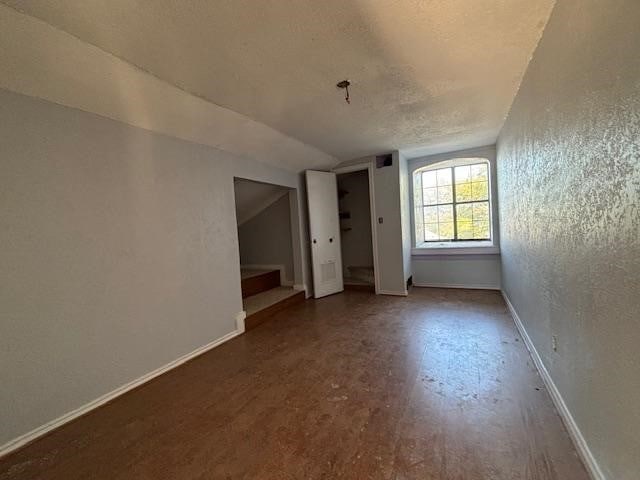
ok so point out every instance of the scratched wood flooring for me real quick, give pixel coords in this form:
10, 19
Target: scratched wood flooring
438, 385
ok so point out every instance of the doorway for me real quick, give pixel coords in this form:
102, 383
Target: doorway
356, 230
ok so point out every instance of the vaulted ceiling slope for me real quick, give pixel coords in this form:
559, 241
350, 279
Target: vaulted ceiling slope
41, 61
427, 76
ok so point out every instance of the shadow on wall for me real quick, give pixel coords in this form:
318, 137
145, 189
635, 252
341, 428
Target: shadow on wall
263, 214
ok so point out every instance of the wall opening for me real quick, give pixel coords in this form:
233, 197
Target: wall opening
266, 246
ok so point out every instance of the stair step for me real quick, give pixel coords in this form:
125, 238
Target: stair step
254, 282
263, 306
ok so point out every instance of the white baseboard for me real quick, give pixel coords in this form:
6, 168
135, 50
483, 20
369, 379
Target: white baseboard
392, 292
455, 285
240, 318
572, 427
28, 437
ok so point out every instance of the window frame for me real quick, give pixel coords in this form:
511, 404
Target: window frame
454, 246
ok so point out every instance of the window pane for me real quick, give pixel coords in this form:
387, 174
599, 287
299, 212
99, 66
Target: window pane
479, 172
465, 230
481, 230
430, 214
419, 231
480, 191
480, 211
464, 212
445, 213
472, 220
445, 231
444, 177
430, 231
429, 179
463, 192
445, 194
463, 174
430, 196
417, 189
442, 216
417, 197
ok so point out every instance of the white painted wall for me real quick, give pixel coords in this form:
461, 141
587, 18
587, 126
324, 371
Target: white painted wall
405, 214
118, 254
468, 270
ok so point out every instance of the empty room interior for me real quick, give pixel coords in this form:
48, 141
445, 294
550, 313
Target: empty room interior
300, 239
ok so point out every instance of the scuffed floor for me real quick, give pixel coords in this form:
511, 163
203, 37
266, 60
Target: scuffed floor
438, 385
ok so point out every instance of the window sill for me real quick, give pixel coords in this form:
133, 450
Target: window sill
457, 248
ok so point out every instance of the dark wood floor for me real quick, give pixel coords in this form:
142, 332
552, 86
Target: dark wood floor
438, 385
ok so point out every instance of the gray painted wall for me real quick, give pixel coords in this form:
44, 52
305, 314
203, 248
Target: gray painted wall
468, 270
118, 255
569, 186
356, 243
265, 239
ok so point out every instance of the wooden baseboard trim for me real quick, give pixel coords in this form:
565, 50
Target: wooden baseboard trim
258, 318
48, 427
572, 427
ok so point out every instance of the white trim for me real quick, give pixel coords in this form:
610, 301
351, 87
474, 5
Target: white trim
486, 153
454, 250
300, 287
456, 285
28, 437
394, 293
353, 168
572, 427
368, 166
284, 281
240, 317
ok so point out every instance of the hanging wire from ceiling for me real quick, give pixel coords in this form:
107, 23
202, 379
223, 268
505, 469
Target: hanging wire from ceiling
345, 85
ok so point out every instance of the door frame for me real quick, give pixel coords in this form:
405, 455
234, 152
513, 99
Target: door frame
372, 209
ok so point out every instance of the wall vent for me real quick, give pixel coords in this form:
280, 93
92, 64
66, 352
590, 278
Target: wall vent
384, 160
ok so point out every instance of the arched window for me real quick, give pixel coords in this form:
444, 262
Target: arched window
452, 202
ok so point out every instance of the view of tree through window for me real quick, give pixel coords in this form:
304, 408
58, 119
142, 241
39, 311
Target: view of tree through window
452, 204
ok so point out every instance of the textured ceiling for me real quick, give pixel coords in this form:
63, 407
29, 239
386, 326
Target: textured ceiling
427, 76
42, 61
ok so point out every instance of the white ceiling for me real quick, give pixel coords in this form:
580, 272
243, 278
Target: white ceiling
428, 75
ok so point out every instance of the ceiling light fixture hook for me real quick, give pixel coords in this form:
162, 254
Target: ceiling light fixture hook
345, 84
